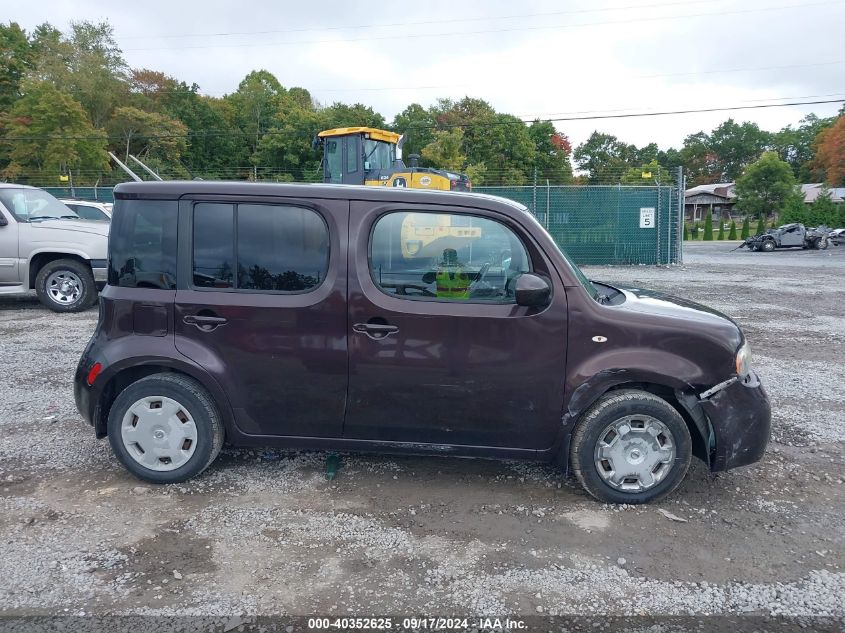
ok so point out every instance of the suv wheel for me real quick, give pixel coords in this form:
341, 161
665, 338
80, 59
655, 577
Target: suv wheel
822, 244
768, 246
165, 428
630, 447
66, 285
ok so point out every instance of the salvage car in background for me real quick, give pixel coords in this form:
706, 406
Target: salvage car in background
836, 237
47, 247
789, 236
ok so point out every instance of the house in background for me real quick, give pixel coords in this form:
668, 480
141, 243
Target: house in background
812, 191
718, 198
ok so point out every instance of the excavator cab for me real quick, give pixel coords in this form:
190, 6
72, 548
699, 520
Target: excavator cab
352, 154
369, 156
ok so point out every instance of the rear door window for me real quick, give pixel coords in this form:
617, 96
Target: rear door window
142, 244
259, 248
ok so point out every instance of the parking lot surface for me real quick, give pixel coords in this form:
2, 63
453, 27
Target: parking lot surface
264, 532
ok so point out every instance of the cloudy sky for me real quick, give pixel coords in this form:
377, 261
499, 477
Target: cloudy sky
534, 58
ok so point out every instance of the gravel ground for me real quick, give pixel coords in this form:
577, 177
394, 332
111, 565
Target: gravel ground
266, 533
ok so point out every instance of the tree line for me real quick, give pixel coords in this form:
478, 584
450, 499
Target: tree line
66, 99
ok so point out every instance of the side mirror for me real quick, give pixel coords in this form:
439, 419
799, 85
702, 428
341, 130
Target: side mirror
532, 291
3, 220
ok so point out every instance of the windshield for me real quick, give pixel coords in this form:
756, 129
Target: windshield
377, 154
33, 204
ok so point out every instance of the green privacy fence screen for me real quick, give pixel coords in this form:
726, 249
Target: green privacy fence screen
101, 194
595, 224
606, 224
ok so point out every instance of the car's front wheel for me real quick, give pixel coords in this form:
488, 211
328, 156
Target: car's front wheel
768, 246
66, 285
165, 428
631, 446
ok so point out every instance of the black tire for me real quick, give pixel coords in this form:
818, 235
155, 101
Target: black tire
768, 246
594, 422
192, 397
822, 244
74, 269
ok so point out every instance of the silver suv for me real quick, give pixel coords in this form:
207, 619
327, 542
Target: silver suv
45, 246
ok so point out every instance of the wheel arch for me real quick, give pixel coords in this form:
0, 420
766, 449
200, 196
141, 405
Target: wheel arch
678, 394
38, 260
120, 377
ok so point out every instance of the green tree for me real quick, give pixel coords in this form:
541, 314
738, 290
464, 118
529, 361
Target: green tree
287, 146
88, 65
686, 231
52, 134
766, 186
552, 151
255, 104
149, 134
721, 235
761, 226
737, 145
357, 114
746, 228
604, 157
417, 124
506, 150
708, 227
732, 233
796, 146
699, 160
445, 151
650, 174
16, 58
212, 147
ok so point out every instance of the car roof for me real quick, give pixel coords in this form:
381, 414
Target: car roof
173, 189
11, 185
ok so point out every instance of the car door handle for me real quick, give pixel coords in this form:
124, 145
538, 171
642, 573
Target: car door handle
375, 331
204, 322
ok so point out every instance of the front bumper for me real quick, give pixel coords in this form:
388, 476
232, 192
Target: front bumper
741, 418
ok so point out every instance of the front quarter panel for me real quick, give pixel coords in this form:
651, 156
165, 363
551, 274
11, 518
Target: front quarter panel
609, 346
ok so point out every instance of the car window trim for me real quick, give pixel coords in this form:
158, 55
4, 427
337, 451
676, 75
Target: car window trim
235, 203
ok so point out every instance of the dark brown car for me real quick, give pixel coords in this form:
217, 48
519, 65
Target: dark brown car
383, 319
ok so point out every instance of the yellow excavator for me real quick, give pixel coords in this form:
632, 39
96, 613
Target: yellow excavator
369, 156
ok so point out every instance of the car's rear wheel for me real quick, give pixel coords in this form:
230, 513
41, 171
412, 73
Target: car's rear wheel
631, 446
165, 428
66, 285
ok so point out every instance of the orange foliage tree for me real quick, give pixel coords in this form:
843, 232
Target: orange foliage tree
830, 153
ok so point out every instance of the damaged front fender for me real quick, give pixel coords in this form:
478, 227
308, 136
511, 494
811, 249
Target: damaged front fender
737, 415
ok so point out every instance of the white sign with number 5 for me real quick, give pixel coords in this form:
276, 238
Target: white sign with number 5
646, 217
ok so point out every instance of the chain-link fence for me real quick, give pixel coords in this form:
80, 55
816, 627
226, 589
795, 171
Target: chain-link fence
595, 224
607, 224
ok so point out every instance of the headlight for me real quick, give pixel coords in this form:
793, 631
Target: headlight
743, 360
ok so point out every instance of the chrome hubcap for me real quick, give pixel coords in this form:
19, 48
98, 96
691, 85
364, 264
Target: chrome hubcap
159, 433
64, 287
635, 453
